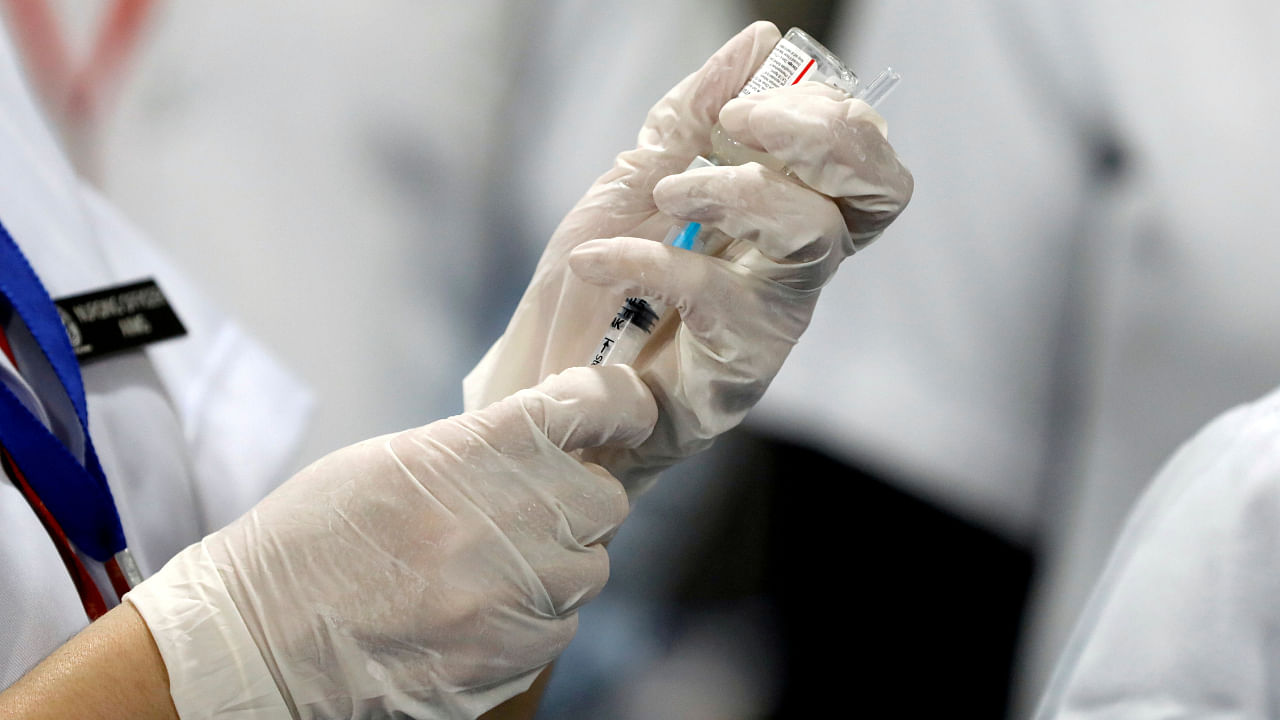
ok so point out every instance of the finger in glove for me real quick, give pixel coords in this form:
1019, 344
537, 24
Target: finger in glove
835, 145
799, 234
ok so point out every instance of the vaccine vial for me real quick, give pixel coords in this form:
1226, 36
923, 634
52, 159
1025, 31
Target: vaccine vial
796, 58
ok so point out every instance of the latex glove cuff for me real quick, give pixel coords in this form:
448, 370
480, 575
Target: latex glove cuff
215, 668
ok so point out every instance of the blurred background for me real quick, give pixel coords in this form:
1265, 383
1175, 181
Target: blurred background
911, 520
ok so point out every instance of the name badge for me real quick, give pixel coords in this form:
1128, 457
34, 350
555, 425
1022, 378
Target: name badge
118, 318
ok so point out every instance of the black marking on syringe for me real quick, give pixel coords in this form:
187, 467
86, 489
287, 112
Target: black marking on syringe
639, 312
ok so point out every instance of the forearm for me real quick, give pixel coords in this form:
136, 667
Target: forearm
110, 670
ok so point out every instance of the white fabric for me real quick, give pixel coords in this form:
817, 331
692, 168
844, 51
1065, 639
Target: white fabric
18, 385
169, 483
429, 574
43, 388
1182, 624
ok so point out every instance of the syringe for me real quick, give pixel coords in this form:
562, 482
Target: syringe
796, 57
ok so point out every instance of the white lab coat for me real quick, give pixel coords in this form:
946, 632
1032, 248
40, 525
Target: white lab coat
1083, 277
190, 432
1183, 622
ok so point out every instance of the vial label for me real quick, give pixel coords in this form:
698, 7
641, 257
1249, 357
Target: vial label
787, 64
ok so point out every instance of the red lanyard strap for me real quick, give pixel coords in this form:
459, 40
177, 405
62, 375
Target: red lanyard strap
76, 92
90, 597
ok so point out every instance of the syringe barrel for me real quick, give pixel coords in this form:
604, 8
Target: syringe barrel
628, 332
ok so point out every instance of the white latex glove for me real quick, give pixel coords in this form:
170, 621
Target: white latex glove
431, 572
741, 311
1182, 623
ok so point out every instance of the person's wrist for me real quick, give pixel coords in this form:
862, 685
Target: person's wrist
215, 668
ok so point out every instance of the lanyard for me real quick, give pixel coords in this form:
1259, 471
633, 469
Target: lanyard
76, 91
77, 95
75, 494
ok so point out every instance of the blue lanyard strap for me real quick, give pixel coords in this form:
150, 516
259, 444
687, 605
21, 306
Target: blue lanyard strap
77, 494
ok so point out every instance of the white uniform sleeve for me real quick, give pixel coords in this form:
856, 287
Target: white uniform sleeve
1183, 622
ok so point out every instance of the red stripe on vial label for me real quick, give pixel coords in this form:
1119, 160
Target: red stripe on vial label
803, 72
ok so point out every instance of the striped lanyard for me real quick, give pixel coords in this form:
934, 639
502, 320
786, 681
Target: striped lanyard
75, 493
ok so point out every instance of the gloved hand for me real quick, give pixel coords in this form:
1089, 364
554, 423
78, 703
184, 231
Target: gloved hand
741, 311
431, 572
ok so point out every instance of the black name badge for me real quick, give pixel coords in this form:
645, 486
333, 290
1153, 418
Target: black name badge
118, 318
